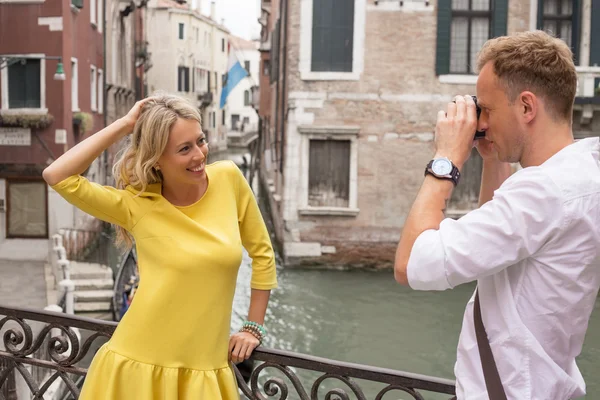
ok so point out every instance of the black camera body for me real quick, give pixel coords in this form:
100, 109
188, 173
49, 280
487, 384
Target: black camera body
478, 134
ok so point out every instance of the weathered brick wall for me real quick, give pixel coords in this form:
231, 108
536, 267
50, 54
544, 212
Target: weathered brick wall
394, 103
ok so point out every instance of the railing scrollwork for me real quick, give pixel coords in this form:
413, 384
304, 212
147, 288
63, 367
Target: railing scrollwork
28, 334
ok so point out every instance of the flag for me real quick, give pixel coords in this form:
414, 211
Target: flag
235, 73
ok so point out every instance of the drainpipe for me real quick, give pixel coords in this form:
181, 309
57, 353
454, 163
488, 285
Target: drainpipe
104, 159
283, 118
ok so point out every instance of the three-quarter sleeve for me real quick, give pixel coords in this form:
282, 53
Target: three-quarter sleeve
507, 229
103, 202
255, 237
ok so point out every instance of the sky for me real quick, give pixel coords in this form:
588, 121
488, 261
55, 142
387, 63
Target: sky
241, 16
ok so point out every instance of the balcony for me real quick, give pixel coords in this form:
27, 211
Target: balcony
205, 99
42, 352
143, 57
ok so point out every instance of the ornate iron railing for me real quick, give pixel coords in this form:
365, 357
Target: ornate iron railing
41, 340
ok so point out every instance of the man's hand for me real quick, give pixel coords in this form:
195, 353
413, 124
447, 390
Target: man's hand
241, 346
455, 130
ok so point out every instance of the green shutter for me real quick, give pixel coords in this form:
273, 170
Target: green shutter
540, 15
576, 29
442, 59
499, 18
24, 84
595, 44
332, 35
32, 84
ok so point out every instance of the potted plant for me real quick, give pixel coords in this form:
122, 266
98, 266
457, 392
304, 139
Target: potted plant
26, 120
84, 122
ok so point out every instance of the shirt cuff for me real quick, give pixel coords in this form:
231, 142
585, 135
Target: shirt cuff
426, 268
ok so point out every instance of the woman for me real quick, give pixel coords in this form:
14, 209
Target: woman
189, 221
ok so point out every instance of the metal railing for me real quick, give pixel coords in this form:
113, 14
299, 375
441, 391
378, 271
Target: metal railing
59, 334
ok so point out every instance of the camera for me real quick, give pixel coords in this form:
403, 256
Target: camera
478, 134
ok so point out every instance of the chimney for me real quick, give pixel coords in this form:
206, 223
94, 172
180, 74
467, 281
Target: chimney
213, 10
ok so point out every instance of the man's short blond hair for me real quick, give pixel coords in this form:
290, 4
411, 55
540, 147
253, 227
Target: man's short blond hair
537, 62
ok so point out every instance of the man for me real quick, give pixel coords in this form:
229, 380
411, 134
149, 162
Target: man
533, 245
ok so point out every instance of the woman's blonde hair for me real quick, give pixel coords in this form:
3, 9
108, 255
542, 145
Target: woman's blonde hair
135, 164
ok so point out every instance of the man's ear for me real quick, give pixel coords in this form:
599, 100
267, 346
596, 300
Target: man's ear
528, 106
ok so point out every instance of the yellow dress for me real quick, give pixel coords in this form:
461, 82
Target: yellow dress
172, 343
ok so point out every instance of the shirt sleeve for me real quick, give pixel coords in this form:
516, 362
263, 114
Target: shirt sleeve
524, 214
103, 202
255, 237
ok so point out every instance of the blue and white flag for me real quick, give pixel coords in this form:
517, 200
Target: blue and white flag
235, 73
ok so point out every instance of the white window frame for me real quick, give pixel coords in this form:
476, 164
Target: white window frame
306, 25
93, 88
100, 91
100, 15
93, 12
4, 84
74, 84
310, 132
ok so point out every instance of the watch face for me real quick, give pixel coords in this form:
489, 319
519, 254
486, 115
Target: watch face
441, 166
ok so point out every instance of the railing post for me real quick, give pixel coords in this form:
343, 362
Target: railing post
68, 287
64, 266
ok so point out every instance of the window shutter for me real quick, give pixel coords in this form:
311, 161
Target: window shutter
575, 30
179, 80
442, 59
186, 71
24, 84
595, 44
332, 36
16, 86
499, 18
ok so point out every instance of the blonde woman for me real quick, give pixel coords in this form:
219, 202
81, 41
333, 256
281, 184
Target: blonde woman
189, 221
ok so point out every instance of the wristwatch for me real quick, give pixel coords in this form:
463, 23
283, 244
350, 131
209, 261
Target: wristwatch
443, 168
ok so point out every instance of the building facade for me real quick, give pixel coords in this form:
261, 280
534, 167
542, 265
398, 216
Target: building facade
189, 58
349, 109
128, 58
51, 89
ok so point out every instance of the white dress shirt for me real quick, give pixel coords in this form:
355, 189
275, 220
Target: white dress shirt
534, 250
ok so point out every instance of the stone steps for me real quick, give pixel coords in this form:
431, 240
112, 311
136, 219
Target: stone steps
89, 271
92, 307
93, 284
90, 296
93, 287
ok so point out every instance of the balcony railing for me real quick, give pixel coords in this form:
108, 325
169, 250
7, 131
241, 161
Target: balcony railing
45, 349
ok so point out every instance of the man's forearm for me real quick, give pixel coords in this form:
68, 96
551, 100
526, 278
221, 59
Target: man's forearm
426, 213
492, 177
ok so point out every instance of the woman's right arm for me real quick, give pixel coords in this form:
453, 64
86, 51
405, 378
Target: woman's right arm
77, 159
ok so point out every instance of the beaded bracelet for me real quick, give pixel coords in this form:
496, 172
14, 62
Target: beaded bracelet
255, 329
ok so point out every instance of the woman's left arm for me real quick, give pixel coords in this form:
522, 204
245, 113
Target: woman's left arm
242, 344
255, 239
